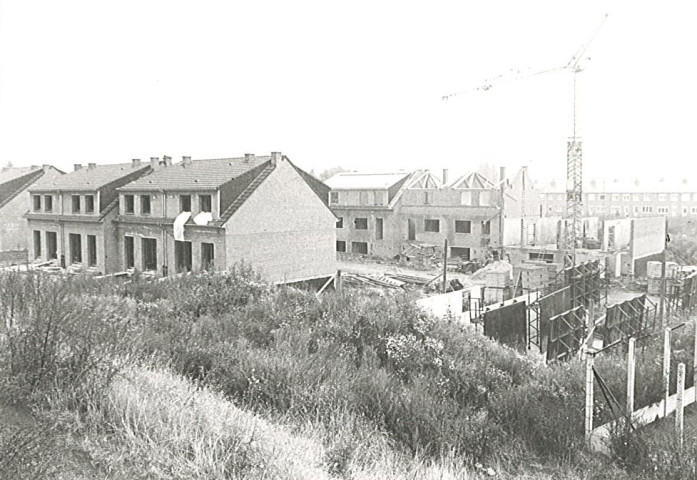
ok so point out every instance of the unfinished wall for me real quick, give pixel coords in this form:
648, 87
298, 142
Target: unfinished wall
284, 230
616, 234
648, 236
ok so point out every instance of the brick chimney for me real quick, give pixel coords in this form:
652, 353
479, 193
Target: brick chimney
91, 166
445, 176
77, 166
276, 157
154, 162
135, 163
186, 160
248, 157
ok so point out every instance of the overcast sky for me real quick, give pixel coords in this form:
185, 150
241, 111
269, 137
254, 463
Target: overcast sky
357, 84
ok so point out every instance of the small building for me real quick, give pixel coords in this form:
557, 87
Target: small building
69, 216
14, 202
201, 215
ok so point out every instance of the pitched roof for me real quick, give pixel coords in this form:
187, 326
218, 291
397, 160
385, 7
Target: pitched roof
10, 173
88, 178
365, 181
13, 185
424, 179
241, 188
626, 185
196, 175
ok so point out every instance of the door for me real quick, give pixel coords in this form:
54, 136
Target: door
411, 225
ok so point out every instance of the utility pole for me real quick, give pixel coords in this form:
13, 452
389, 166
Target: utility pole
661, 304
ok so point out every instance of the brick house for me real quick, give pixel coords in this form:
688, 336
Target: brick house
393, 213
14, 201
211, 214
69, 217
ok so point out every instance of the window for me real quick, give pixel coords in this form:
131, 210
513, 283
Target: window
601, 196
625, 197
693, 210
463, 226
37, 244
361, 223
673, 197
590, 210
51, 245
145, 205
182, 256
340, 222
378, 229
466, 198
340, 246
359, 247
685, 197
89, 203
636, 197
486, 228
91, 250
48, 203
129, 252
602, 209
647, 197
380, 198
661, 197
662, 209
646, 209
205, 203
75, 244
363, 198
485, 199
207, 256
591, 197
684, 211
184, 203
432, 226
37, 203
333, 198
149, 250
615, 197
129, 204
76, 203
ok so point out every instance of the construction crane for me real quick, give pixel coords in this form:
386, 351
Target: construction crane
573, 221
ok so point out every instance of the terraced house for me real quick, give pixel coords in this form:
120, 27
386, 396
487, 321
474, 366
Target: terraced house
206, 214
70, 216
14, 202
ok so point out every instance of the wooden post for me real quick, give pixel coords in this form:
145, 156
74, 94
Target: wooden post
694, 362
666, 370
337, 281
680, 405
631, 365
522, 230
661, 305
588, 427
445, 266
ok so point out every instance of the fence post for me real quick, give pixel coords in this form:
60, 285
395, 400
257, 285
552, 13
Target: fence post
631, 365
694, 362
680, 406
588, 427
337, 281
666, 370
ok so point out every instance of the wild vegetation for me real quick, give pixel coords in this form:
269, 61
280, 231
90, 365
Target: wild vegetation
223, 376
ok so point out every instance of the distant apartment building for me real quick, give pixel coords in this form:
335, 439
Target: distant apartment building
391, 213
70, 215
14, 202
201, 215
621, 198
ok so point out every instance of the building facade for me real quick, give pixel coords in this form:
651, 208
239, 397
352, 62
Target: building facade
211, 214
69, 216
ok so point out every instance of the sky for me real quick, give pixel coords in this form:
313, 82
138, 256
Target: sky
355, 84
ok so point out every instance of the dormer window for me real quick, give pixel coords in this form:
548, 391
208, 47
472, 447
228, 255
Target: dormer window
37, 203
48, 203
184, 203
89, 203
333, 198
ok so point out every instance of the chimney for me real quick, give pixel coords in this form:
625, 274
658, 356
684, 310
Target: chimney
186, 160
91, 166
77, 167
248, 157
445, 176
502, 174
34, 167
46, 167
275, 158
135, 163
154, 162
167, 160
